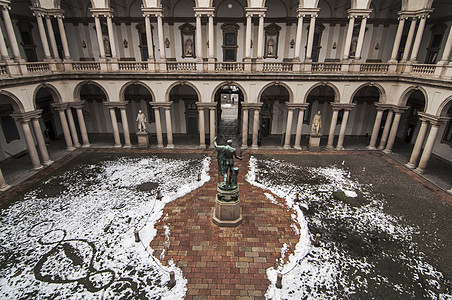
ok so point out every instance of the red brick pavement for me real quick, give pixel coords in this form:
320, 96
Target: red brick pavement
225, 263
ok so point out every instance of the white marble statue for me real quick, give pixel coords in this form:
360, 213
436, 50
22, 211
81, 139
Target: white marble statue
141, 119
316, 123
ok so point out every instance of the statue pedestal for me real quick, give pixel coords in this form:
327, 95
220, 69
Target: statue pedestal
227, 212
143, 140
314, 142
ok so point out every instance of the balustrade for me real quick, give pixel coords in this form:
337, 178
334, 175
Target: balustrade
277, 67
423, 69
133, 66
181, 66
229, 67
86, 66
374, 68
326, 67
38, 67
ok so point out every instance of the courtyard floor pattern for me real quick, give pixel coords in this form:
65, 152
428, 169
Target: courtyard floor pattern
222, 262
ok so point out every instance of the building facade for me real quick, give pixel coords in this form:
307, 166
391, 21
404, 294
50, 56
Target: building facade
78, 69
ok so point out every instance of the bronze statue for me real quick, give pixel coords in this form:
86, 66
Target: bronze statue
225, 157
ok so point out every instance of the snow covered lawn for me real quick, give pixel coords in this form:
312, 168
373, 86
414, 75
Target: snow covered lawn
73, 236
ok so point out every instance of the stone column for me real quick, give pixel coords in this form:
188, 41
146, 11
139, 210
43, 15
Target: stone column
310, 37
212, 125
397, 40
10, 33
428, 147
211, 39
30, 145
3, 185
393, 133
42, 34
3, 50
158, 126
417, 40
332, 128
67, 54
447, 48
100, 39
384, 136
41, 143
169, 128
81, 121
245, 127
376, 129
111, 37
52, 37
260, 37
125, 126
198, 37
362, 31
288, 128
348, 40
114, 124
61, 107
255, 128
298, 37
409, 40
418, 145
71, 122
161, 37
297, 144
147, 22
340, 141
202, 129
248, 36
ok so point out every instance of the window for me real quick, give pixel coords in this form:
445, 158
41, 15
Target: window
230, 42
316, 42
143, 41
435, 43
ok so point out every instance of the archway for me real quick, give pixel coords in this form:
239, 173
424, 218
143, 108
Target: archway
362, 117
229, 99
273, 115
138, 98
51, 125
409, 124
11, 139
184, 112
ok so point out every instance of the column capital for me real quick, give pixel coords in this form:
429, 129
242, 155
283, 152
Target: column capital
340, 106
204, 11
158, 12
255, 11
77, 104
355, 13
166, 105
415, 13
399, 109
432, 119
307, 11
382, 106
27, 116
118, 104
60, 106
106, 12
301, 106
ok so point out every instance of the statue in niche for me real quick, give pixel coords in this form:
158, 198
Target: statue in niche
107, 47
141, 119
316, 123
225, 157
188, 47
353, 47
270, 47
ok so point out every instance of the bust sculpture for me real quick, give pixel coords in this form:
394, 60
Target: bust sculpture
141, 119
225, 157
316, 123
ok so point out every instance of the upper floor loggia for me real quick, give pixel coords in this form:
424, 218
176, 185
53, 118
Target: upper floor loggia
404, 37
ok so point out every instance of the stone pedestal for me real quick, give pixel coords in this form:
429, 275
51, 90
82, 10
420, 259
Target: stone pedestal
314, 142
227, 212
143, 140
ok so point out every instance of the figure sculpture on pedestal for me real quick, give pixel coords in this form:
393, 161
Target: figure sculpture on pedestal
225, 157
316, 123
141, 119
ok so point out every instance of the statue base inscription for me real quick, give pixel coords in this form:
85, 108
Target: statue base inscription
227, 212
314, 142
143, 140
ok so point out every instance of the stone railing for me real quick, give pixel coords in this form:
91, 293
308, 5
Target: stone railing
181, 66
229, 67
277, 67
85, 66
374, 68
133, 66
38, 67
423, 69
326, 67
3, 70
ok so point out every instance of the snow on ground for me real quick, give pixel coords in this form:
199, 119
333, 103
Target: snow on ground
355, 257
75, 234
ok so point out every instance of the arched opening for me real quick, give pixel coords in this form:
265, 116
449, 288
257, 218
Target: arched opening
273, 115
410, 124
444, 141
229, 100
11, 137
362, 117
138, 98
184, 112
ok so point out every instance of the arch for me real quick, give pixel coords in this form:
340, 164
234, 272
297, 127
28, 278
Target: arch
18, 105
273, 9
123, 89
215, 90
441, 109
179, 10
168, 91
289, 90
335, 89
53, 91
376, 85
406, 94
81, 84
238, 10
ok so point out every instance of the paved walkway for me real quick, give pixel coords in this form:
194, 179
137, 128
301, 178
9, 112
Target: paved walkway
225, 261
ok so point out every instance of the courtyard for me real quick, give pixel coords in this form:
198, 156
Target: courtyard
69, 229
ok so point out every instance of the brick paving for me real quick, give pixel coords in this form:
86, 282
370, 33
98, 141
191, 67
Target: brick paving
219, 262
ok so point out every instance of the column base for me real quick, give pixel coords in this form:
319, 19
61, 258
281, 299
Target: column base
38, 168
381, 148
340, 148
254, 147
77, 145
329, 148
86, 146
170, 146
159, 146
387, 151
117, 146
286, 147
297, 147
410, 166
202, 146
5, 187
371, 147
419, 171
244, 147
72, 148
48, 163
127, 146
